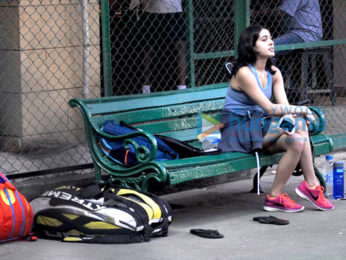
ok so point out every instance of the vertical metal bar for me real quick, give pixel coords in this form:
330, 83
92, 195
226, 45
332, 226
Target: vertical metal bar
106, 48
189, 30
241, 19
304, 76
86, 50
329, 73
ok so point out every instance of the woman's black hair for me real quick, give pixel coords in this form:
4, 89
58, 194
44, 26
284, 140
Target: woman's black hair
246, 52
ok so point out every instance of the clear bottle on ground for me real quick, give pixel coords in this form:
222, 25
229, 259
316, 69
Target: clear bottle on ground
328, 175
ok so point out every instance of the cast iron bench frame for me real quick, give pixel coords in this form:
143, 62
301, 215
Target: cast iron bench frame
171, 113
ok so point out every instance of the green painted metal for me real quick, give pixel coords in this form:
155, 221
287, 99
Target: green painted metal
178, 120
207, 166
102, 105
106, 48
339, 140
230, 53
190, 52
241, 18
214, 55
318, 126
316, 44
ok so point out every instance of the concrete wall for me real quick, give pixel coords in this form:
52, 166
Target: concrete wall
41, 62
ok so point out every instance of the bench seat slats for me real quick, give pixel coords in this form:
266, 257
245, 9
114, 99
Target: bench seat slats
174, 114
214, 168
212, 165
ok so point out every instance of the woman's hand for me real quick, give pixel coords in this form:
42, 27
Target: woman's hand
290, 119
305, 112
309, 116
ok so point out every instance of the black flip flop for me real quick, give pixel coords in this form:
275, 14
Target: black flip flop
207, 233
271, 220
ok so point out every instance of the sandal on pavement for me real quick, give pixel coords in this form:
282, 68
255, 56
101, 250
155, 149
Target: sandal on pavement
207, 233
271, 220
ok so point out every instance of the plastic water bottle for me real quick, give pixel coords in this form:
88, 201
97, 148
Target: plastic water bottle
210, 142
328, 174
338, 180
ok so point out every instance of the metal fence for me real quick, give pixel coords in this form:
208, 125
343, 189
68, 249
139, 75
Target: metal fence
146, 48
51, 51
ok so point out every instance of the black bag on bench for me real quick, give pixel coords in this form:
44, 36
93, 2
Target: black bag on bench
184, 149
167, 148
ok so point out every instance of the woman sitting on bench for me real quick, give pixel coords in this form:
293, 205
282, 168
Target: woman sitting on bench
251, 121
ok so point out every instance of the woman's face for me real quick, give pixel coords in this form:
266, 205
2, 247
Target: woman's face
264, 46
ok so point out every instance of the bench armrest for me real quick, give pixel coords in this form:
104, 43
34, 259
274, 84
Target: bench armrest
143, 153
319, 124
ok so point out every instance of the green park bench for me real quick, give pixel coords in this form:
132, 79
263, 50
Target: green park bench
174, 114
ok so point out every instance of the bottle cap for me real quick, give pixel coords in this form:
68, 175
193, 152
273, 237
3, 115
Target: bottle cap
329, 157
338, 164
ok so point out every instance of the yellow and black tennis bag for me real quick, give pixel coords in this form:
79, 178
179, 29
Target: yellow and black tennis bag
97, 214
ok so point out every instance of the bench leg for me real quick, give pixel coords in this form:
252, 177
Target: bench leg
139, 178
128, 182
98, 174
262, 171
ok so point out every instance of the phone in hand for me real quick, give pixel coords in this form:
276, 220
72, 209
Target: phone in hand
287, 125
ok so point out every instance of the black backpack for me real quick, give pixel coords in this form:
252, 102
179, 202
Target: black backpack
95, 214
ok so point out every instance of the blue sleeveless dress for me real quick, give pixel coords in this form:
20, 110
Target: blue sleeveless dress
245, 123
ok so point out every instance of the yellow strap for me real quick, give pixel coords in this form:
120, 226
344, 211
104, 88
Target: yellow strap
149, 205
100, 225
72, 239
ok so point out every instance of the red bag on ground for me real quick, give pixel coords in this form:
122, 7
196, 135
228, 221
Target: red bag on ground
16, 214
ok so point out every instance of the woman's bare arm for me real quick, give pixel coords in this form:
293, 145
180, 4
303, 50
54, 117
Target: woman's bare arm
246, 81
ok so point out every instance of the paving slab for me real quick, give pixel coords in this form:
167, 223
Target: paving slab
228, 208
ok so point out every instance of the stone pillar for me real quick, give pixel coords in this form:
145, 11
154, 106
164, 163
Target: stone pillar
41, 69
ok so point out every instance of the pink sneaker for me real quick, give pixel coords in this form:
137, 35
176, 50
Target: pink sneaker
281, 203
315, 195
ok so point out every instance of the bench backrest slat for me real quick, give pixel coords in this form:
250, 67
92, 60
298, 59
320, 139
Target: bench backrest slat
184, 135
172, 113
100, 106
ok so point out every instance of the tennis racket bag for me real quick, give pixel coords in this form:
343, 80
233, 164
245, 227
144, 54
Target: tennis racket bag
16, 214
96, 214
